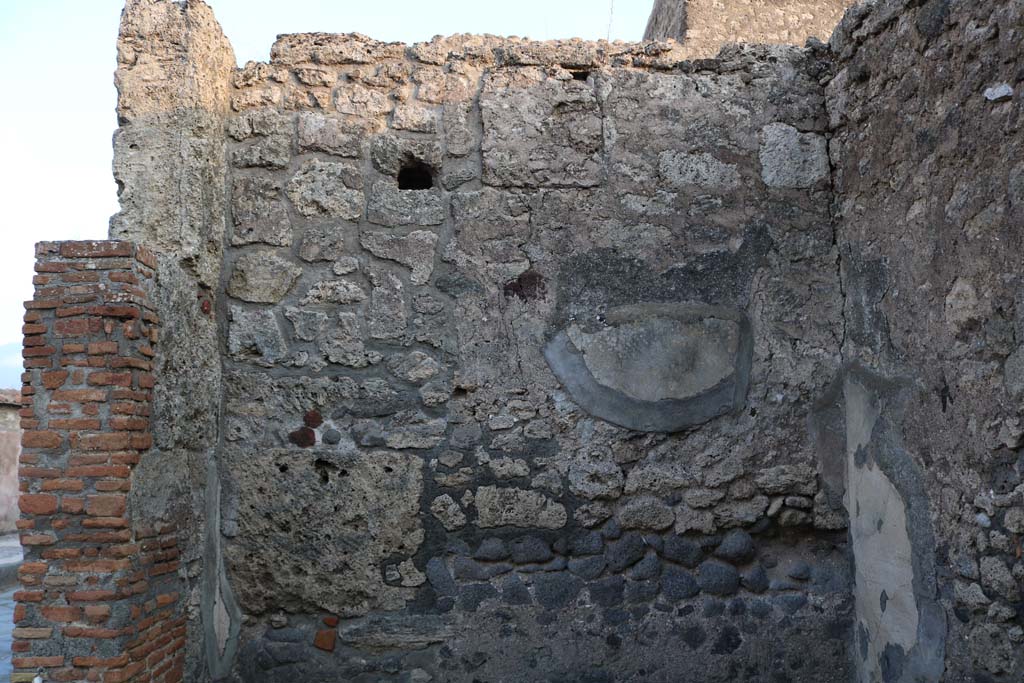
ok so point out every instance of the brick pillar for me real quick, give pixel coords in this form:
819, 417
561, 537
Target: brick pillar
99, 588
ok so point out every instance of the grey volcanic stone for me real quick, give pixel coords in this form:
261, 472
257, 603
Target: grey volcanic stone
790, 603
440, 578
555, 590
755, 579
737, 547
800, 570
718, 578
514, 591
586, 543
607, 592
678, 584
684, 551
641, 591
472, 595
647, 568
530, 549
587, 567
625, 552
492, 549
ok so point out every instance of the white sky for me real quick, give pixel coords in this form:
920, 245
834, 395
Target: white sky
57, 117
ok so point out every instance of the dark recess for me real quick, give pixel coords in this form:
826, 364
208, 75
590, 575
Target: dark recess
415, 175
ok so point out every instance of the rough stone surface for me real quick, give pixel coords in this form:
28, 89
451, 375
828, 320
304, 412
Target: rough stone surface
562, 361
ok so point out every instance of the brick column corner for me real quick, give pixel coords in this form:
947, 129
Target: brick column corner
99, 598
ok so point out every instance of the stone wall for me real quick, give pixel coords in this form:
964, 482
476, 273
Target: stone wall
10, 450
926, 112
532, 332
704, 26
99, 586
486, 359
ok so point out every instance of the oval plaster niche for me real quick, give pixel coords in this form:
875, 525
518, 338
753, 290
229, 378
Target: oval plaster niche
657, 367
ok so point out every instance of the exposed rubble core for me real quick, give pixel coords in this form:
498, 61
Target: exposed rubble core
486, 359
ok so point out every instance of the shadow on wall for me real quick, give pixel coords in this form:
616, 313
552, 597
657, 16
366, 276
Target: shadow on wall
10, 449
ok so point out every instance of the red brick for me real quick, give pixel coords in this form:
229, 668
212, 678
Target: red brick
325, 640
77, 424
63, 485
110, 662
104, 379
80, 277
95, 249
38, 351
102, 441
53, 380
106, 506
113, 311
109, 486
42, 304
96, 566
37, 504
33, 568
37, 662
77, 327
79, 395
101, 348
39, 473
97, 614
37, 539
146, 257
35, 439
28, 596
105, 523
111, 471
135, 424
123, 675
72, 506
92, 596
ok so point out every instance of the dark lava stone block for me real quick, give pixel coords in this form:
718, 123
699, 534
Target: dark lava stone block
683, 550
737, 547
718, 578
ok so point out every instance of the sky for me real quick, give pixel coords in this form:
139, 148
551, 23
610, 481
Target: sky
58, 116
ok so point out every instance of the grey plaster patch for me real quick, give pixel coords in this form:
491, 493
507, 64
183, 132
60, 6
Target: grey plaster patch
895, 579
657, 367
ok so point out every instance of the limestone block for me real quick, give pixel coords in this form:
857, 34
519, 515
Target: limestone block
319, 133
327, 189
255, 336
791, 159
415, 250
497, 506
392, 207
548, 135
259, 213
262, 276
